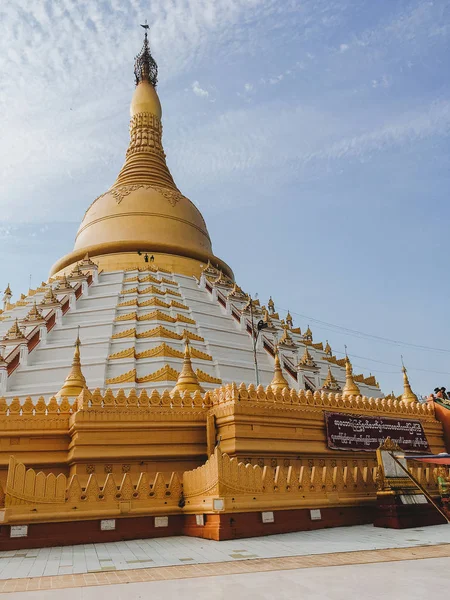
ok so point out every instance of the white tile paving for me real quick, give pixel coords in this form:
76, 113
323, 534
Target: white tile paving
138, 554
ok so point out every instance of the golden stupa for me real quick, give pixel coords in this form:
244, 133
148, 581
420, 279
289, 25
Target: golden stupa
137, 438
144, 211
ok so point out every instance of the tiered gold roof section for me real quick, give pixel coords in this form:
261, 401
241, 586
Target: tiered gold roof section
156, 315
162, 350
159, 331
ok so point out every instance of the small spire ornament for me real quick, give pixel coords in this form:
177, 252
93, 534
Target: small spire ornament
350, 388
75, 381
279, 381
187, 379
408, 395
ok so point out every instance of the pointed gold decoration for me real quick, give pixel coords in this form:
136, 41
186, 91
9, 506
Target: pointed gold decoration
286, 339
308, 335
271, 306
50, 299
330, 384
328, 350
75, 382
408, 395
289, 320
34, 315
279, 381
307, 360
187, 379
64, 285
8, 291
14, 333
350, 388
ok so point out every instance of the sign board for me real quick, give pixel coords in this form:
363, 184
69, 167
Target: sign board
107, 524
268, 517
315, 514
200, 519
359, 432
18, 531
161, 521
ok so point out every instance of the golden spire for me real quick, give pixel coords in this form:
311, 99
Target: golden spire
64, 285
286, 339
289, 321
278, 382
330, 382
49, 299
75, 382
77, 273
308, 335
307, 360
271, 305
187, 379
350, 388
327, 350
144, 210
8, 292
14, 332
408, 395
34, 314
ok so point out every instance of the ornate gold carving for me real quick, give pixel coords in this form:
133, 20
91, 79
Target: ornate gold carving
129, 376
308, 335
166, 373
278, 382
286, 339
14, 333
328, 351
184, 319
129, 291
271, 306
34, 315
330, 382
157, 315
127, 353
205, 377
50, 299
289, 320
307, 360
176, 304
127, 317
159, 331
124, 334
132, 302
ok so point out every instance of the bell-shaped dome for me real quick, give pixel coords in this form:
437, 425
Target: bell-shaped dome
144, 211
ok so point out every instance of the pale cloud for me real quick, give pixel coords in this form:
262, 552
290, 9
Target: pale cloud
383, 82
199, 91
343, 47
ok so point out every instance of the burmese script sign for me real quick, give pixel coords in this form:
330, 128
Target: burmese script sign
358, 432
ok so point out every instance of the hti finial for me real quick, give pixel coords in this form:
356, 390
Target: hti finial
145, 67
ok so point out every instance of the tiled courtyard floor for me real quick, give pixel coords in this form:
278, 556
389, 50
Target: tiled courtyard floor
183, 557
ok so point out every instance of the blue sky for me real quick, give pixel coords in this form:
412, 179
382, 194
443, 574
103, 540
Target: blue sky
313, 135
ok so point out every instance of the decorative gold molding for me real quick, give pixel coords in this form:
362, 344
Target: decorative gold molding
124, 334
128, 377
166, 373
127, 353
205, 377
